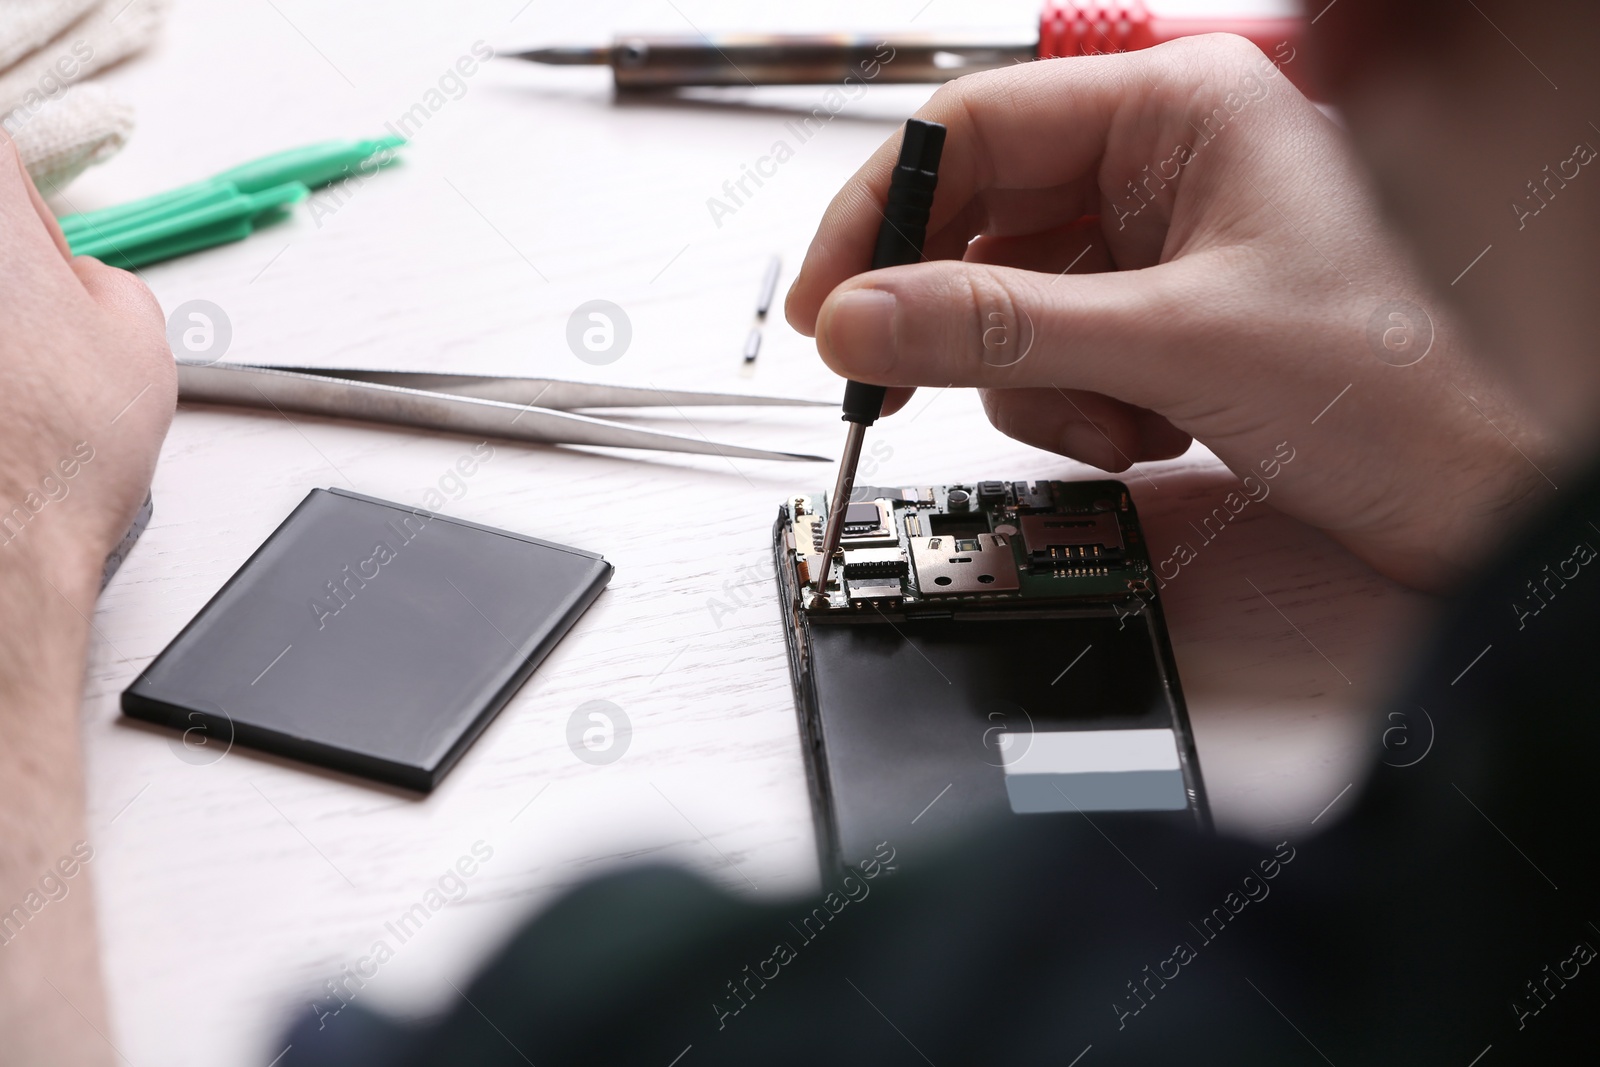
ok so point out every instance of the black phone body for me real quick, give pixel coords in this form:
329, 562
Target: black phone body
982, 652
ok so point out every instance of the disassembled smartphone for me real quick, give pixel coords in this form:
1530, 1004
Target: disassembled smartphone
981, 650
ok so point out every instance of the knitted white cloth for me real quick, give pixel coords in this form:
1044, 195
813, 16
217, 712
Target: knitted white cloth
27, 24
47, 47
86, 126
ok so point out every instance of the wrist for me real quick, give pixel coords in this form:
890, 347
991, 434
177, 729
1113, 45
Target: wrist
38, 547
1460, 512
1493, 504
47, 592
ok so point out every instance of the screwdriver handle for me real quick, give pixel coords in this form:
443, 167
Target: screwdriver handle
900, 237
1098, 27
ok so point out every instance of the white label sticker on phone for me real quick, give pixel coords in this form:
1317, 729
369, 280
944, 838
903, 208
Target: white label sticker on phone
1093, 770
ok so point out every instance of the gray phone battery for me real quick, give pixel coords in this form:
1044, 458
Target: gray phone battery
368, 637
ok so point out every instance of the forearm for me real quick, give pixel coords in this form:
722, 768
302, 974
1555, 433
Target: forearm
89, 387
52, 1005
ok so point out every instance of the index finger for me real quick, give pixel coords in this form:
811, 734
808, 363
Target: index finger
1031, 147
1009, 131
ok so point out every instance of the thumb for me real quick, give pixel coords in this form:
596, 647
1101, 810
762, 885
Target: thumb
1127, 334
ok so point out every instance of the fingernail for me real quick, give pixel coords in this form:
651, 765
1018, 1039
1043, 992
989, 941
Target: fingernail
860, 329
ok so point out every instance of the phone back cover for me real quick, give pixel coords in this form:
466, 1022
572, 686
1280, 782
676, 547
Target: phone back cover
906, 724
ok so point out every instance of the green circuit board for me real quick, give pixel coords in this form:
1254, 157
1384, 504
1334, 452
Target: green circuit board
988, 544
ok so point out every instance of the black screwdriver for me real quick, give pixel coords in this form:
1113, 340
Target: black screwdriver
900, 237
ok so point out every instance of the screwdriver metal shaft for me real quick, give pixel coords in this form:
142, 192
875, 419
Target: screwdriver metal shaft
843, 485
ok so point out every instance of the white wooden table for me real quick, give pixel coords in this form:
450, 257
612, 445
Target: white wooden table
229, 892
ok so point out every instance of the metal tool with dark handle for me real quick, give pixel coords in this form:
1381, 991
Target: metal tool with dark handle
900, 237
1066, 28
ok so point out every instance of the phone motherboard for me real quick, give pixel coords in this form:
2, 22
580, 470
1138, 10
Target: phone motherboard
928, 549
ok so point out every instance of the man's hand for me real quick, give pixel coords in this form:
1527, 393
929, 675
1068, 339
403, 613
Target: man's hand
1131, 251
89, 388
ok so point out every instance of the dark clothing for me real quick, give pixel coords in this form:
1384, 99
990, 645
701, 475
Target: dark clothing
1454, 908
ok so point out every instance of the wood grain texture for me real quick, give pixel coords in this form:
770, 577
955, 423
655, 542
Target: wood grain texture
247, 883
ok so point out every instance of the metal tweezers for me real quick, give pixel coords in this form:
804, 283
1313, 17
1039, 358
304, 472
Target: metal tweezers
521, 409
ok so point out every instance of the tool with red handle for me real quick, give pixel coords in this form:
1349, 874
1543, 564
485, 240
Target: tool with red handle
1066, 28
1076, 28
